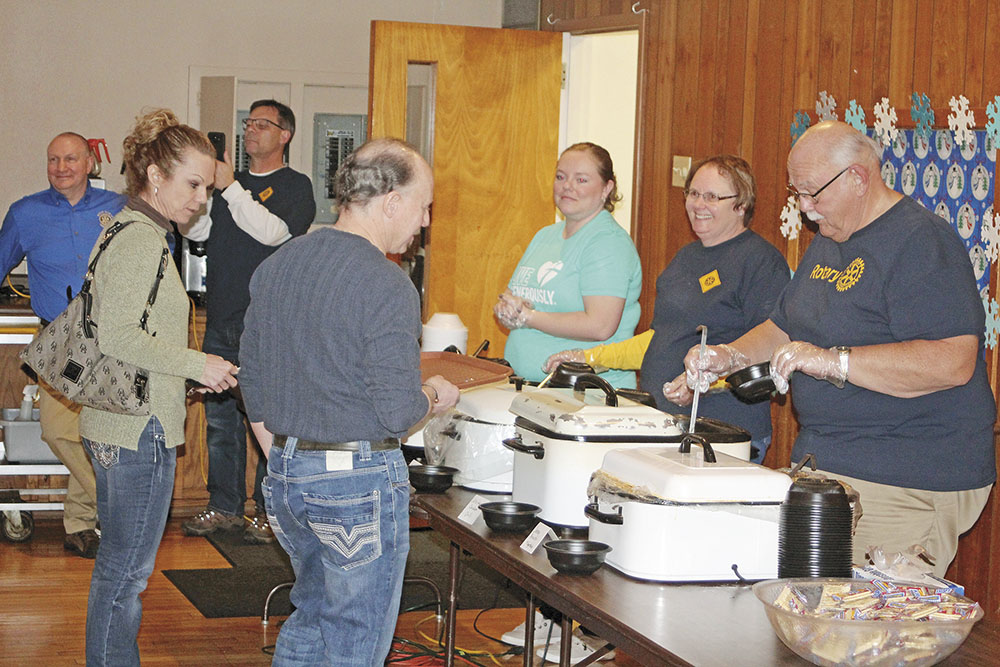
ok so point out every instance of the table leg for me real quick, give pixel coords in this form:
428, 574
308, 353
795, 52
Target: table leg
529, 631
566, 641
454, 563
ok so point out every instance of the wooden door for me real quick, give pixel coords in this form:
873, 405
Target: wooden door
496, 124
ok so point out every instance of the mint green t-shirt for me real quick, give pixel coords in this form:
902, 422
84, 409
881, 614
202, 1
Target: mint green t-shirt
556, 273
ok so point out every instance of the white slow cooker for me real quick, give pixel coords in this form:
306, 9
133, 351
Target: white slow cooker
672, 516
470, 438
562, 436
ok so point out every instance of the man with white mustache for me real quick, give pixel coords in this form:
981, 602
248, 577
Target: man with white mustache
885, 326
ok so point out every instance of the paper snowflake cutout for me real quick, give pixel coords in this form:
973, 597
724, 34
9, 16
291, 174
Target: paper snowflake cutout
993, 124
855, 117
885, 123
799, 125
923, 115
992, 309
791, 219
989, 232
961, 120
826, 106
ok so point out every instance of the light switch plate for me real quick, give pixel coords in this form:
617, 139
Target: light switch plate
682, 164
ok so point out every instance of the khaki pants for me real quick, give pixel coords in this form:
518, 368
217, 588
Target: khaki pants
60, 419
896, 518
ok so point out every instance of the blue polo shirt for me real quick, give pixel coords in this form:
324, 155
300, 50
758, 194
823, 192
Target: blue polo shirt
57, 239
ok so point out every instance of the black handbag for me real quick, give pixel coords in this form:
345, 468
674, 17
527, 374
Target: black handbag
67, 355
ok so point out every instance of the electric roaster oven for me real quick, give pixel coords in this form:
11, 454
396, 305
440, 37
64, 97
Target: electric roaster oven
562, 436
684, 514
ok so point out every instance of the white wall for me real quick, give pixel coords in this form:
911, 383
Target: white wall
90, 66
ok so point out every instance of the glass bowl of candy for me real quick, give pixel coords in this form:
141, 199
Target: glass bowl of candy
867, 622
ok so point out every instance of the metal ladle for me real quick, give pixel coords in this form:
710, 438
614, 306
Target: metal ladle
701, 355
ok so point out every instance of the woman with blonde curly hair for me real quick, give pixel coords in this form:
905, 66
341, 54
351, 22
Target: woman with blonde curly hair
169, 171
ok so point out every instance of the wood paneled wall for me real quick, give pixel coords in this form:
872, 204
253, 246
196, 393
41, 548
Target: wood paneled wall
726, 76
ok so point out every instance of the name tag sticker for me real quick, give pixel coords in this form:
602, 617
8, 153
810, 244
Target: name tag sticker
542, 533
709, 281
472, 511
339, 460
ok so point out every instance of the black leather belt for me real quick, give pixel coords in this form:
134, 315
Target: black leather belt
352, 446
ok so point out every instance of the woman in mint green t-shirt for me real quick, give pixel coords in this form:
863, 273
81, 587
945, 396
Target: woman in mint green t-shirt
579, 279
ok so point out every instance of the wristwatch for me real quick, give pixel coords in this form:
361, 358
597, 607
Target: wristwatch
845, 358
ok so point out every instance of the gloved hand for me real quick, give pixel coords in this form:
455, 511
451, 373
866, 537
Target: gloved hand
677, 391
817, 362
718, 361
512, 311
554, 360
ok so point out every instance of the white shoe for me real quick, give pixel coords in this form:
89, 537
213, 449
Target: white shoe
580, 648
515, 637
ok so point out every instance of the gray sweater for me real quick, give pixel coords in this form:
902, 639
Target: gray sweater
329, 349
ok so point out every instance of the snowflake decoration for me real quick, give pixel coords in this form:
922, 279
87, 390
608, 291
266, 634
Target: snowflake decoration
923, 115
885, 123
791, 220
989, 232
961, 120
993, 124
826, 106
855, 117
799, 125
992, 309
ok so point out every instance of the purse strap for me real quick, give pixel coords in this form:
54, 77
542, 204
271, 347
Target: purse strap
88, 299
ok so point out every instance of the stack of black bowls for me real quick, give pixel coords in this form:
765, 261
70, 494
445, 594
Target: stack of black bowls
814, 534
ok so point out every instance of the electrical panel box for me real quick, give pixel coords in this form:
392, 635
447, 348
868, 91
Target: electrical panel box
334, 137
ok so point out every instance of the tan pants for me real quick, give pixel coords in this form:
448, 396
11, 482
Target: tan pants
896, 518
60, 420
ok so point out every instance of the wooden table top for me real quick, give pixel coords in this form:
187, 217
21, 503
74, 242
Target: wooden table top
655, 623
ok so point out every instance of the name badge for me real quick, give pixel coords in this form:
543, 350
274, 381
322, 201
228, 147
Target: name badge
339, 460
709, 281
265, 194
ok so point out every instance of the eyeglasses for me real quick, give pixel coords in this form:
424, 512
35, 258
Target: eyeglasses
708, 197
259, 124
813, 197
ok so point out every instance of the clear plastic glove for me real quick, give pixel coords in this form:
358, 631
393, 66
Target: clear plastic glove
554, 360
817, 362
718, 361
677, 391
512, 311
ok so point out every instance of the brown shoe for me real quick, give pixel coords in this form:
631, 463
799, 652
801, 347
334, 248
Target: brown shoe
258, 530
83, 543
208, 521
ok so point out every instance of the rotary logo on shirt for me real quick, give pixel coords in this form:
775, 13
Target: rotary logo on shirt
844, 280
265, 194
709, 281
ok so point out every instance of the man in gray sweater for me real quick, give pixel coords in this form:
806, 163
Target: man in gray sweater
331, 380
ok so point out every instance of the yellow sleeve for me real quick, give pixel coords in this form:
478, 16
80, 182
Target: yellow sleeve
625, 355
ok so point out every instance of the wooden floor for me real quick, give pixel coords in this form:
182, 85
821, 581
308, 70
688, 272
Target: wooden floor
44, 592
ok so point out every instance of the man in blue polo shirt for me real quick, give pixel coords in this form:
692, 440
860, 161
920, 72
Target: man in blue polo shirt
56, 229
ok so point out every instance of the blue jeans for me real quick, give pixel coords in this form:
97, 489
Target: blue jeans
226, 436
133, 497
761, 446
347, 533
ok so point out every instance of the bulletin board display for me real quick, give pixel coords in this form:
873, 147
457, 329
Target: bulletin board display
955, 182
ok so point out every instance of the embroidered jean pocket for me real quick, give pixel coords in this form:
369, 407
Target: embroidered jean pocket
348, 525
105, 454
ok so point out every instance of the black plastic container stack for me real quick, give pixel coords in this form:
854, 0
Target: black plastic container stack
814, 534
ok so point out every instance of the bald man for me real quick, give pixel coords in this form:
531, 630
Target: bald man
880, 334
56, 229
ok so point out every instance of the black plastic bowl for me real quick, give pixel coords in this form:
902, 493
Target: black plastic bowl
431, 479
752, 384
510, 517
576, 556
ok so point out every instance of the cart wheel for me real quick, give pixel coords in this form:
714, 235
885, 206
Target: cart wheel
20, 533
